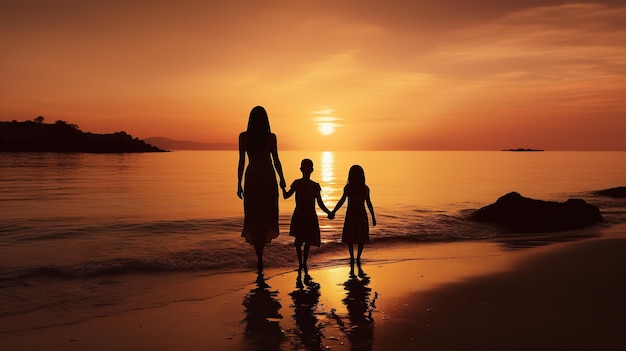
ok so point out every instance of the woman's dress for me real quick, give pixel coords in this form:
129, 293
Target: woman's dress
260, 199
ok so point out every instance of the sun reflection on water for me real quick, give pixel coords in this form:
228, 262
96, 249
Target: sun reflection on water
327, 167
330, 193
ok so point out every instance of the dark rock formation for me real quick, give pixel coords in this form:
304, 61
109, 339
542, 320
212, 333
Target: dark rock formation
32, 136
619, 192
520, 214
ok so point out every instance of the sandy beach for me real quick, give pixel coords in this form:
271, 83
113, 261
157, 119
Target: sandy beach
452, 296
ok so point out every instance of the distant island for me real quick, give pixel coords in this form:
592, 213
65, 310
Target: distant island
523, 150
36, 136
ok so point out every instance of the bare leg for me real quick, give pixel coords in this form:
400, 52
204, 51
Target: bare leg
359, 252
307, 248
299, 254
351, 251
298, 246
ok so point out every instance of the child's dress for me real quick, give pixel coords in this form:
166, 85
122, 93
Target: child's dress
304, 223
356, 225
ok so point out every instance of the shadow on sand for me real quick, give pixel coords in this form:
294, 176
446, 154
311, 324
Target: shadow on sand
360, 305
262, 331
309, 331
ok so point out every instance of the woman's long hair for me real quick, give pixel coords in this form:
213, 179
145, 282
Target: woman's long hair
258, 128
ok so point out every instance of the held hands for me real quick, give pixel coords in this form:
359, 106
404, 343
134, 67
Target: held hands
331, 215
286, 194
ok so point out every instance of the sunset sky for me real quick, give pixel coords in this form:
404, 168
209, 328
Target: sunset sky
333, 75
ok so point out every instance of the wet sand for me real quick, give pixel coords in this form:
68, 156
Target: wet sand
452, 296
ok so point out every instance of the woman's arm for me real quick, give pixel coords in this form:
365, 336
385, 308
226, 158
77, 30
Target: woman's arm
242, 162
277, 165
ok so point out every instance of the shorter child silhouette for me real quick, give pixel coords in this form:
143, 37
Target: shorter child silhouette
304, 224
355, 226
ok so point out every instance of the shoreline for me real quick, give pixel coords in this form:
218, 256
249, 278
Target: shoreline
434, 297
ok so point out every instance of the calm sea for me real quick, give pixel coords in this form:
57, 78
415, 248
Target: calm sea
81, 219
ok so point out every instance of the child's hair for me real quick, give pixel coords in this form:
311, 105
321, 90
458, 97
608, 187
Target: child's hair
306, 165
356, 176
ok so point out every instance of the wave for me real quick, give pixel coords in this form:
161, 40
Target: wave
91, 282
201, 244
82, 227
182, 261
214, 245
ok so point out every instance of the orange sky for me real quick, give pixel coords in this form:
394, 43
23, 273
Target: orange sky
412, 74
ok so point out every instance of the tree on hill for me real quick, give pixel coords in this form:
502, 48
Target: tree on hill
64, 124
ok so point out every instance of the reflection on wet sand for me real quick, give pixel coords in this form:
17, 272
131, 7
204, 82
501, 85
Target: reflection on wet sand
308, 328
262, 331
312, 328
360, 306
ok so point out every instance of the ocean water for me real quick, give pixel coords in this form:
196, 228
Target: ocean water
85, 230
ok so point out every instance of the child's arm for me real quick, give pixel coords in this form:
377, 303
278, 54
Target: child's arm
287, 194
370, 206
338, 205
320, 203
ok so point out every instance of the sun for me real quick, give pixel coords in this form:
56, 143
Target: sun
325, 120
326, 128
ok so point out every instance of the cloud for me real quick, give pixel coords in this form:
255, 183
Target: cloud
570, 55
390, 67
556, 36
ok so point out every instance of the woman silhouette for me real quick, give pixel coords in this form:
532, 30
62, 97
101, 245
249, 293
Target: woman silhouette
260, 191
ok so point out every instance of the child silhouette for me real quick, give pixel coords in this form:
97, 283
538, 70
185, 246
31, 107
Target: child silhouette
304, 224
355, 226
